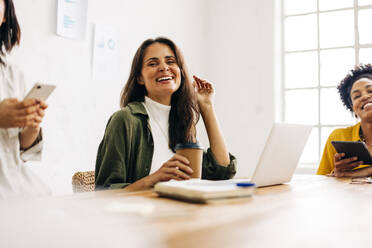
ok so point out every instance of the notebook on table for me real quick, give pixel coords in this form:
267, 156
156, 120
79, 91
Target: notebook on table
197, 190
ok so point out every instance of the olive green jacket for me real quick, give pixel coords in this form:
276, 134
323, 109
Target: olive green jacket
125, 153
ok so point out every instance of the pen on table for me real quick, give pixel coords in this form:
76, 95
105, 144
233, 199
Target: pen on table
245, 184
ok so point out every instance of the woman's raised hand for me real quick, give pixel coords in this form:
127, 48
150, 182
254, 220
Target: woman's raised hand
176, 168
204, 91
343, 165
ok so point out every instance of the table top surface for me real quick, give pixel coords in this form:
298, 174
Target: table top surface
311, 211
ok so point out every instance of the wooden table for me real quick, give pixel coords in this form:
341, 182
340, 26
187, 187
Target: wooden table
311, 211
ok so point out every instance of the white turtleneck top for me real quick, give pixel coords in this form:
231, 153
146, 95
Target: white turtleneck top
159, 123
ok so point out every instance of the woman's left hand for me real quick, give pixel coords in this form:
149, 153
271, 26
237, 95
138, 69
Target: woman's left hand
204, 92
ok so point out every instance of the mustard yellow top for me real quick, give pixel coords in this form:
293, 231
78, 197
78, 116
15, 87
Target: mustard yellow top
351, 133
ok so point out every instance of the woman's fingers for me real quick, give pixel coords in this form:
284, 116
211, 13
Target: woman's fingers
31, 112
203, 86
345, 165
200, 83
351, 166
28, 110
33, 119
167, 177
196, 78
26, 120
346, 161
40, 112
339, 156
27, 103
168, 173
175, 171
43, 105
38, 119
179, 166
184, 168
176, 168
177, 157
364, 172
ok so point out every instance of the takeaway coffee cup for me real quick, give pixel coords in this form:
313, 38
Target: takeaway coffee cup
194, 153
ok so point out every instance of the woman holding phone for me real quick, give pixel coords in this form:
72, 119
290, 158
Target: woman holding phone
356, 94
160, 108
20, 133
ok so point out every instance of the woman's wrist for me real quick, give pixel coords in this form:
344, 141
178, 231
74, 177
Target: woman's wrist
149, 181
206, 108
28, 136
142, 184
32, 129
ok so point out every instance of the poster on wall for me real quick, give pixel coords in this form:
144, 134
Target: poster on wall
105, 54
72, 18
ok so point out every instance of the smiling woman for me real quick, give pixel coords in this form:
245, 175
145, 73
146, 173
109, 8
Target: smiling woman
356, 94
160, 108
161, 74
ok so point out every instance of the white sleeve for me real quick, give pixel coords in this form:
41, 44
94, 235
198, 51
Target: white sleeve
34, 152
18, 82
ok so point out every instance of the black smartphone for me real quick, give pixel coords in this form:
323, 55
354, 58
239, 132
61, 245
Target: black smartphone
353, 149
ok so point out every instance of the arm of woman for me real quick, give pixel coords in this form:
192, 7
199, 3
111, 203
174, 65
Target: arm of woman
205, 95
326, 164
29, 135
175, 168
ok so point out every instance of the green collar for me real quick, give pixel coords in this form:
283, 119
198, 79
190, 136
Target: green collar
137, 108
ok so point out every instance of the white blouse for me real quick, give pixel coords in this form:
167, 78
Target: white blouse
159, 123
16, 179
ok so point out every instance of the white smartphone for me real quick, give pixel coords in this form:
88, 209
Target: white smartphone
40, 91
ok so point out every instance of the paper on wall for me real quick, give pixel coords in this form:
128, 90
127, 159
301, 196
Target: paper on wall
72, 18
105, 57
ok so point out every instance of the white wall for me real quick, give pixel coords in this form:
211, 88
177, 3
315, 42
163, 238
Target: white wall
228, 42
240, 57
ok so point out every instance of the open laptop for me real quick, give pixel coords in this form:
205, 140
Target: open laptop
276, 165
280, 156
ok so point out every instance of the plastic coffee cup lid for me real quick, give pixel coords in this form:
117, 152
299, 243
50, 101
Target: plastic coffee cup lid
188, 146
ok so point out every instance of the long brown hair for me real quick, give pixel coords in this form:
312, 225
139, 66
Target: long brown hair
10, 32
184, 113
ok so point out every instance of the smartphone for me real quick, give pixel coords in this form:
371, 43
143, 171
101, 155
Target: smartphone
40, 91
353, 149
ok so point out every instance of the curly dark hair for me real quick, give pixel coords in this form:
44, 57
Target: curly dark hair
344, 88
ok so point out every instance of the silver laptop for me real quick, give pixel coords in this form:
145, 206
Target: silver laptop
280, 156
